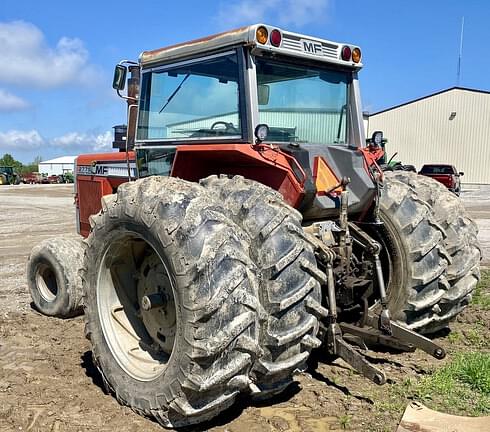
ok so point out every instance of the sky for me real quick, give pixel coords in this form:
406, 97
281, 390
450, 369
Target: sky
57, 57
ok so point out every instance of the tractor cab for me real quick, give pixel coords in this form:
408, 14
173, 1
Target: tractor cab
274, 106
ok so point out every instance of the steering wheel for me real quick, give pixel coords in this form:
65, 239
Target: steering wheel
228, 126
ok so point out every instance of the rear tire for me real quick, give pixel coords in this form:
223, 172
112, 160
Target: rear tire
185, 360
290, 291
414, 256
460, 242
52, 277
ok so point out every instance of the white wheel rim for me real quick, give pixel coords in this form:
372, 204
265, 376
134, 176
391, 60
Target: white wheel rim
46, 283
133, 335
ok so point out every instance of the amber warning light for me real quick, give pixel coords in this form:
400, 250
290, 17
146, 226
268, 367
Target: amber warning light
262, 35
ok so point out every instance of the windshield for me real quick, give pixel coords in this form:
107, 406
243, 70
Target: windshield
304, 104
191, 101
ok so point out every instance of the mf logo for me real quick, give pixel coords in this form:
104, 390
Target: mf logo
312, 47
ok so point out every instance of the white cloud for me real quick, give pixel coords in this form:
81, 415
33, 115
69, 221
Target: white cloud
11, 102
20, 140
84, 141
288, 13
28, 60
72, 141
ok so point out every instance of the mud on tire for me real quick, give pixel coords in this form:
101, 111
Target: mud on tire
460, 242
290, 290
52, 277
414, 253
186, 359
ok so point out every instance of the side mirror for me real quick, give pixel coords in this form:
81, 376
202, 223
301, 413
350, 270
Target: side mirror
263, 91
119, 81
461, 173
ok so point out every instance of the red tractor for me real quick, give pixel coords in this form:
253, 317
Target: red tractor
245, 224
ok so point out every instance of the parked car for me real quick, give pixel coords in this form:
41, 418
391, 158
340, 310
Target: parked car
448, 175
32, 178
52, 179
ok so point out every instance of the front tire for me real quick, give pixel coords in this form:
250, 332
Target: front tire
186, 358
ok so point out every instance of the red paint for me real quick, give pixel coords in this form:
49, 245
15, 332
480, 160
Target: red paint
371, 155
91, 188
263, 163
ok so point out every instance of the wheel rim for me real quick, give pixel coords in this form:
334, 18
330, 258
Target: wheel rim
136, 306
46, 283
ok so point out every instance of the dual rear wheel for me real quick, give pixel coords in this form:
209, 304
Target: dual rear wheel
194, 294
188, 304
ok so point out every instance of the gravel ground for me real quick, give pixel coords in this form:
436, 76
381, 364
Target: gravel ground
476, 199
48, 381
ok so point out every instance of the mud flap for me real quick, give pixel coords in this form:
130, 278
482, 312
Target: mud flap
417, 417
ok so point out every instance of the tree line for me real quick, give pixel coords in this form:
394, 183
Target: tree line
8, 160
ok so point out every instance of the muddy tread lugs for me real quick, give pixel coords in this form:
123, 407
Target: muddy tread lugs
212, 360
290, 290
459, 239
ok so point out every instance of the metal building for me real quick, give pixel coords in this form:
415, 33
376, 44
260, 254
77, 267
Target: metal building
57, 166
451, 126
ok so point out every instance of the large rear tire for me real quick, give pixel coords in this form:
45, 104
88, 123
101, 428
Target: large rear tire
460, 241
184, 353
414, 257
290, 290
52, 277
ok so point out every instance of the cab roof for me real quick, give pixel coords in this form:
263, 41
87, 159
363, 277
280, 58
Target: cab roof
293, 44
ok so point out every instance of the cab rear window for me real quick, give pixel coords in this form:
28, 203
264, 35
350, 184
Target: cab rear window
437, 169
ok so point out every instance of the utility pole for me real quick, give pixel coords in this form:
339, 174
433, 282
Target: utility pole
458, 75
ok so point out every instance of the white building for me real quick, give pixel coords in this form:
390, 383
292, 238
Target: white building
451, 127
57, 166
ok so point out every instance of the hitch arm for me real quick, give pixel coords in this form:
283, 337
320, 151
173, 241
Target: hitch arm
374, 337
409, 337
359, 362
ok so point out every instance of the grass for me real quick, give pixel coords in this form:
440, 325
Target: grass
344, 421
481, 296
462, 386
475, 338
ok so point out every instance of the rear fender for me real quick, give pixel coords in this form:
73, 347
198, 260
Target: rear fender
265, 164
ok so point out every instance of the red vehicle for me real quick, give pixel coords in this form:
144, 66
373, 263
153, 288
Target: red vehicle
32, 178
445, 174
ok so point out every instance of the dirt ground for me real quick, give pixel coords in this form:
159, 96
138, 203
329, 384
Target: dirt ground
48, 381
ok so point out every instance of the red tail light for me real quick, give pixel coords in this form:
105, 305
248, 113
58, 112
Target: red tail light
276, 38
346, 53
